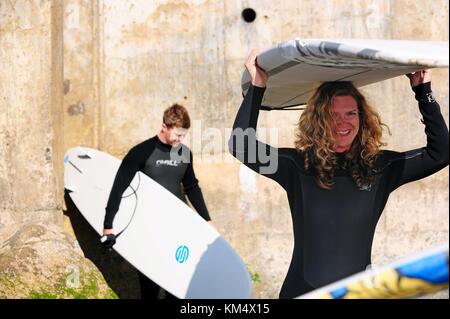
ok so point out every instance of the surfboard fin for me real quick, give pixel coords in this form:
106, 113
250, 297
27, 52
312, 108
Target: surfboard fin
85, 152
70, 188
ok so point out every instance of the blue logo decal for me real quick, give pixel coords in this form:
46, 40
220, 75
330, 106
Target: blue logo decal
339, 293
66, 158
182, 254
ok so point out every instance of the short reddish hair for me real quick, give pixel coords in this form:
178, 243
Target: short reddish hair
177, 115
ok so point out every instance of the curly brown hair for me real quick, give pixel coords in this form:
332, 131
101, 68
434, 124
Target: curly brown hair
176, 115
315, 136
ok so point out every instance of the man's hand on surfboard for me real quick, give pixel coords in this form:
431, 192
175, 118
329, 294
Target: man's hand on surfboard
419, 77
108, 231
108, 239
259, 76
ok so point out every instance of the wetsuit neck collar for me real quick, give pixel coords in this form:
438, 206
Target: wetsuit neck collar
161, 143
341, 154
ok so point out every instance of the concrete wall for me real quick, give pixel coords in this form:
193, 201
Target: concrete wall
126, 61
38, 259
26, 107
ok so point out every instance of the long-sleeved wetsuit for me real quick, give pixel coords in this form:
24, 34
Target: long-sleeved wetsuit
170, 167
167, 165
334, 229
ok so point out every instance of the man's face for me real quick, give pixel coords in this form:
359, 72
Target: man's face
346, 122
174, 135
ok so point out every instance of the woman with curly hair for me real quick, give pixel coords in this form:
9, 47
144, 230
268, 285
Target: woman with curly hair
338, 119
337, 178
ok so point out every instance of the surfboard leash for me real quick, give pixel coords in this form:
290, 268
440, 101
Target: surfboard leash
135, 205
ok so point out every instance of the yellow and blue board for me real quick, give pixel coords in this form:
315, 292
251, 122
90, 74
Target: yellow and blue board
413, 277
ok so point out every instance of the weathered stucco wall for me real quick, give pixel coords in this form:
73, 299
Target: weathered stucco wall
38, 259
124, 62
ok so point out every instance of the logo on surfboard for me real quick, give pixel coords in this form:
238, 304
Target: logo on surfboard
182, 254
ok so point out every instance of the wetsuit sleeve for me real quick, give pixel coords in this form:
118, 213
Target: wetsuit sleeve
131, 163
419, 163
243, 144
193, 191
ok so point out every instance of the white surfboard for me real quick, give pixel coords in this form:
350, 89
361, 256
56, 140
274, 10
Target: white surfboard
423, 273
299, 66
159, 234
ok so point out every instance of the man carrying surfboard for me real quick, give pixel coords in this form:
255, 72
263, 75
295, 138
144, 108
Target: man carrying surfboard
337, 178
168, 162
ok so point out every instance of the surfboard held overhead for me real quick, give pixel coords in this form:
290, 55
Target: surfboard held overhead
297, 67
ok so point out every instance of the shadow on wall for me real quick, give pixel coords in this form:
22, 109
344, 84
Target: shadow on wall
120, 275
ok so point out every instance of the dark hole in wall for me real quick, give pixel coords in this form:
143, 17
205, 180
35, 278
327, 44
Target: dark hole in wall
249, 15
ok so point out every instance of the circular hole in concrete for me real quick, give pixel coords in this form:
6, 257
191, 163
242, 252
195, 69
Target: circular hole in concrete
249, 15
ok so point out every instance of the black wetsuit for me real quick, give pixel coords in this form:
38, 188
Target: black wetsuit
171, 167
167, 165
334, 229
